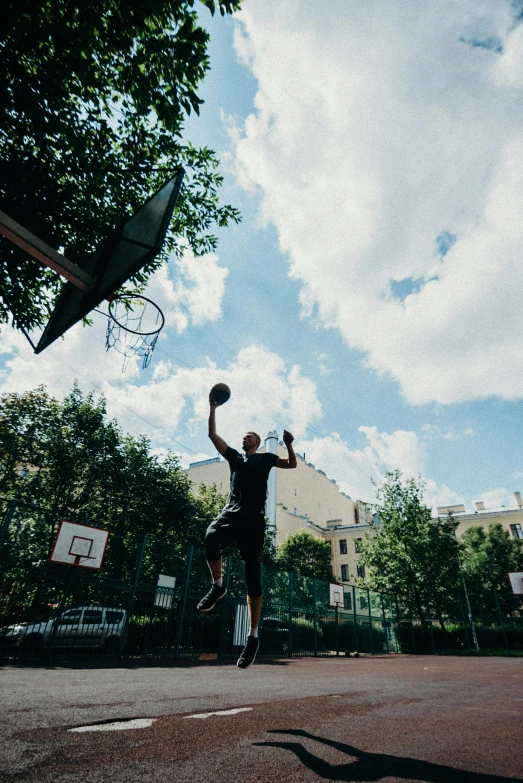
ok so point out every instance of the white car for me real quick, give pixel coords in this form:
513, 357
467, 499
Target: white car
99, 627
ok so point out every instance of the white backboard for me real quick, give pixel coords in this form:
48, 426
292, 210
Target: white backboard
336, 595
80, 545
165, 591
516, 582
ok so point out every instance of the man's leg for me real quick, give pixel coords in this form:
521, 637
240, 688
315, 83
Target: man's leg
218, 534
254, 602
215, 567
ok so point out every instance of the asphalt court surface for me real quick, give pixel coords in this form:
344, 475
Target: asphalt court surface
440, 720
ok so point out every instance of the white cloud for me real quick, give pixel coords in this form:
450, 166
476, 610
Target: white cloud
266, 392
377, 130
434, 431
358, 471
189, 289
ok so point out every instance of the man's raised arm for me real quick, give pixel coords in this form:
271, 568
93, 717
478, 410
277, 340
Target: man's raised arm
291, 461
218, 442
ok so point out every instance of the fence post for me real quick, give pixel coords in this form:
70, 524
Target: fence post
467, 601
315, 606
431, 632
61, 607
371, 638
181, 613
9, 514
130, 605
356, 640
384, 623
501, 621
291, 590
337, 616
394, 619
465, 626
224, 608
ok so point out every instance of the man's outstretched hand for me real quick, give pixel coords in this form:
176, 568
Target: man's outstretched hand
287, 437
213, 403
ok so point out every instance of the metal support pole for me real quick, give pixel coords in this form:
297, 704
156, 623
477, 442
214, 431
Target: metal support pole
337, 616
291, 590
315, 608
356, 641
501, 621
181, 613
224, 608
371, 638
467, 601
384, 623
139, 563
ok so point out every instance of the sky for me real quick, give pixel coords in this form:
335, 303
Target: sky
370, 299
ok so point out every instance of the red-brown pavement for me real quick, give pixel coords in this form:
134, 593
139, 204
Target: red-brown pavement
434, 719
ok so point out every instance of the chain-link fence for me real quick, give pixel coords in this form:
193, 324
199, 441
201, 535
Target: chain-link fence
481, 623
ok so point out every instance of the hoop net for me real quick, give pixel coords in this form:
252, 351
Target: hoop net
133, 326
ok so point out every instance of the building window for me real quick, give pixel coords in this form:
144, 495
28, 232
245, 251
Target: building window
343, 546
516, 530
357, 544
345, 573
356, 519
361, 571
347, 600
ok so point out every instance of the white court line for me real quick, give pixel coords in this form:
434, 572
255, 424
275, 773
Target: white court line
121, 725
220, 712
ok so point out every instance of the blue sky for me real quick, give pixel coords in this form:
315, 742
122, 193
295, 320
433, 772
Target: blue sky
370, 298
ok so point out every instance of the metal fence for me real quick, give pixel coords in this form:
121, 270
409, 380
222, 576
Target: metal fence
48, 609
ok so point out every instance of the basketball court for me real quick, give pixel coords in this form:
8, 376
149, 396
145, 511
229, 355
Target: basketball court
393, 718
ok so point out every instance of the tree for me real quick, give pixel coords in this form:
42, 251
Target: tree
306, 555
488, 557
409, 555
93, 98
65, 460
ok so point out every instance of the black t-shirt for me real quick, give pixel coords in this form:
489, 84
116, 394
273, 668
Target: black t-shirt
249, 476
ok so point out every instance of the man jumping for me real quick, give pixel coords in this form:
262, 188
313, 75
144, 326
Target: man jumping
242, 521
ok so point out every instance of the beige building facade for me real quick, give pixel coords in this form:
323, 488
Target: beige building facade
510, 518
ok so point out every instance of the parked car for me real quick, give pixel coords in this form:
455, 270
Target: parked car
99, 627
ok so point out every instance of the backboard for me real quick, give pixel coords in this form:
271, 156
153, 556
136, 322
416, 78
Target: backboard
516, 582
80, 545
336, 596
125, 251
165, 591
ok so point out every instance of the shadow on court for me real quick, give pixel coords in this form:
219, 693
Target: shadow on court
375, 766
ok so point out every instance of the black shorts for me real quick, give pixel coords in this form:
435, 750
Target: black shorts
246, 530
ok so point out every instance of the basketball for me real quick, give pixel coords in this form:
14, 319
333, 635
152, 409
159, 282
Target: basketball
220, 393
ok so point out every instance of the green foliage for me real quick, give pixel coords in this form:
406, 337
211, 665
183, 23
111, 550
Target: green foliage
306, 555
410, 555
93, 98
488, 557
67, 461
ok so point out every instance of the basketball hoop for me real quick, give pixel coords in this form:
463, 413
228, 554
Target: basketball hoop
133, 327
